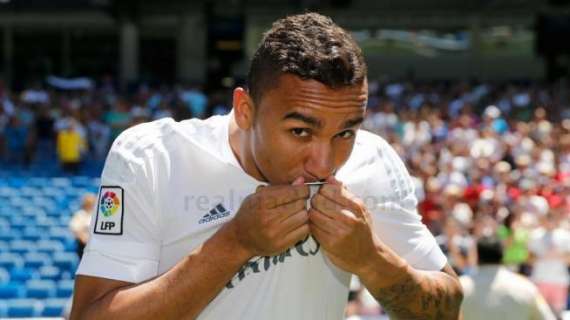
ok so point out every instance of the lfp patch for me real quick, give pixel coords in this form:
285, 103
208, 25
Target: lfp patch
110, 211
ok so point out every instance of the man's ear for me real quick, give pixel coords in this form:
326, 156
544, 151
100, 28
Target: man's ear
244, 109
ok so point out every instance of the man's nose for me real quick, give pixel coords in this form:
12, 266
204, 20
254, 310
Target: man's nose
320, 163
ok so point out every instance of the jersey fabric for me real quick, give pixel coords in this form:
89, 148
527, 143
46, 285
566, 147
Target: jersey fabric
168, 186
495, 293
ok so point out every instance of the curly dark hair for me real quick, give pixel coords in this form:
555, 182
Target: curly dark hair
310, 46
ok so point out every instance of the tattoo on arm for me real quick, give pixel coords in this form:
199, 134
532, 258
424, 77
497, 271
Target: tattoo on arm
433, 296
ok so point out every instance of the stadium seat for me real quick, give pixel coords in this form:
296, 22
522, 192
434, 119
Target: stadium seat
22, 274
35, 260
60, 233
64, 288
40, 289
31, 233
4, 247
4, 275
49, 272
3, 309
19, 308
10, 260
54, 307
49, 246
65, 260
6, 234
21, 246
10, 290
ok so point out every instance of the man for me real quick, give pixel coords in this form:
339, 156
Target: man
497, 293
208, 219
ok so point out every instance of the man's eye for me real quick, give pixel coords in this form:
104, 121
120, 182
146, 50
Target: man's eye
300, 132
346, 134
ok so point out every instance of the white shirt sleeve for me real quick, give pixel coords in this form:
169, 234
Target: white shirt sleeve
124, 241
392, 202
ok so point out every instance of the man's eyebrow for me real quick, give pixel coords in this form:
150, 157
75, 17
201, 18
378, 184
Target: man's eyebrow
352, 122
314, 122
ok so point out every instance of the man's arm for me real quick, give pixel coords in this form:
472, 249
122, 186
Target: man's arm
268, 222
181, 293
343, 226
415, 294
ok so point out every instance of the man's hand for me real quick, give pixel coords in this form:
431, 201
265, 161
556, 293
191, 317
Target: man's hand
272, 219
343, 226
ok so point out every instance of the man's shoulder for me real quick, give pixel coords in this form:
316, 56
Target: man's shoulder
136, 140
370, 145
166, 135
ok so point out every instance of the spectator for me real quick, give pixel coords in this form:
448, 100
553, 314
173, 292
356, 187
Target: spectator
70, 147
515, 239
16, 138
550, 249
80, 221
495, 293
118, 118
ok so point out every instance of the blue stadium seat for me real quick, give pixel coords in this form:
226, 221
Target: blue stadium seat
40, 289
60, 233
70, 245
49, 273
31, 233
4, 222
3, 309
4, 275
64, 288
7, 234
45, 221
18, 223
4, 247
54, 307
21, 246
19, 308
49, 246
61, 182
65, 260
35, 260
10, 290
22, 274
10, 260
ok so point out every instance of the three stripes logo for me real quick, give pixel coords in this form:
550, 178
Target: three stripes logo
214, 214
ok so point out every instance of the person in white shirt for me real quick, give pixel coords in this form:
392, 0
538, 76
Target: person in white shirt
550, 255
496, 293
208, 218
80, 221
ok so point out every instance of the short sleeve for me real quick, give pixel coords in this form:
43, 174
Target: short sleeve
124, 241
390, 197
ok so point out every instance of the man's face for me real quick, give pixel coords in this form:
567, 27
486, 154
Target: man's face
304, 128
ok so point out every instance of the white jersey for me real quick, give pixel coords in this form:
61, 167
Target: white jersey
495, 293
168, 186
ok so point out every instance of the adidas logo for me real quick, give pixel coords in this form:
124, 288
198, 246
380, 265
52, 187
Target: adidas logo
216, 213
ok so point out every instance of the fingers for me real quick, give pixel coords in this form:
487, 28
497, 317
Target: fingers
338, 194
325, 206
287, 210
295, 221
323, 222
274, 196
296, 235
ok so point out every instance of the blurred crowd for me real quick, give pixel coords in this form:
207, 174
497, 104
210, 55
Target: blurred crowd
487, 159
44, 124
